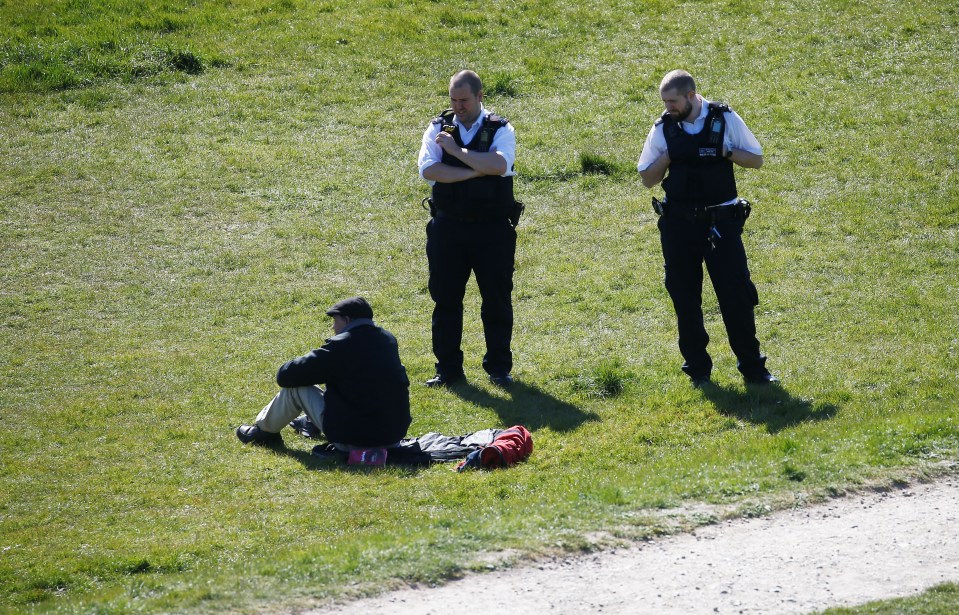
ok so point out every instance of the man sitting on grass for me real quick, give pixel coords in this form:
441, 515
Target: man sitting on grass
366, 404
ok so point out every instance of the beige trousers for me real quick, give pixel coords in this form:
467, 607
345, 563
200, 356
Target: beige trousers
290, 403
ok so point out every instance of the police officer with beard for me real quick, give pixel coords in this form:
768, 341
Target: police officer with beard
691, 149
467, 157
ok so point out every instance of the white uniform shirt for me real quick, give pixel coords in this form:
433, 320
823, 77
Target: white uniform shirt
504, 143
738, 136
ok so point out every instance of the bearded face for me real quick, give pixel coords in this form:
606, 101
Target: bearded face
678, 106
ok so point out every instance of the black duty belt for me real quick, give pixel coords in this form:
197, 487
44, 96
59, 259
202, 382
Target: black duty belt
445, 214
712, 214
513, 218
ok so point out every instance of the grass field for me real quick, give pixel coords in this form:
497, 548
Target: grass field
939, 600
185, 186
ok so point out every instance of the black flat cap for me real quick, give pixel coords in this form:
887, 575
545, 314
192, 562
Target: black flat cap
354, 307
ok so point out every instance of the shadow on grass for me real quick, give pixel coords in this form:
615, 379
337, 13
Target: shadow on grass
769, 405
527, 405
309, 461
336, 463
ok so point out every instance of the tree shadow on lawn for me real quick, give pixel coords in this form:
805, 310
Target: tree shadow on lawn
769, 405
526, 405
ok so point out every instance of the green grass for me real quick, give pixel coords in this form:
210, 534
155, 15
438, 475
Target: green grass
939, 600
186, 186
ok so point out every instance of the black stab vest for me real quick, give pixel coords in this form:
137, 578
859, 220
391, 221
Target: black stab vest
489, 197
698, 175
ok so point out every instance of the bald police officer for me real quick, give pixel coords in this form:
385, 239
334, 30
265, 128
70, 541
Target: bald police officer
691, 149
467, 157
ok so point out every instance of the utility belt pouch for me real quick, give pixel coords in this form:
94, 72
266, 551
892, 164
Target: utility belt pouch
659, 206
743, 208
518, 209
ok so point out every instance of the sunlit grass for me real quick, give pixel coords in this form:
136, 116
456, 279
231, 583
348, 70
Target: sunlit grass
172, 231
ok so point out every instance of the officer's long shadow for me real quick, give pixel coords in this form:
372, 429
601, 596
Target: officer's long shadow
769, 405
527, 405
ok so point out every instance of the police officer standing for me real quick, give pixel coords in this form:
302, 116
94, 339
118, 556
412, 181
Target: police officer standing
467, 156
694, 146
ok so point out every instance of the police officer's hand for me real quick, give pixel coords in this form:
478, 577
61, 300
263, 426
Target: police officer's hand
654, 173
446, 141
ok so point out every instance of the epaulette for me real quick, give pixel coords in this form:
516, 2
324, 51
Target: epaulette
719, 106
446, 117
493, 118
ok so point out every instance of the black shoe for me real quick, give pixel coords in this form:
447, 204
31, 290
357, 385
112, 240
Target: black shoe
441, 380
328, 451
306, 428
251, 434
501, 380
765, 378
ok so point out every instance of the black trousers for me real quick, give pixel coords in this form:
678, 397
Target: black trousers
686, 246
455, 248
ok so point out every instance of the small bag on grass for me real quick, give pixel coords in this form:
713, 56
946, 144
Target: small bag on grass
367, 457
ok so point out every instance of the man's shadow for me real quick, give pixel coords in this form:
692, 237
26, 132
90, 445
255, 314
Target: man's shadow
335, 463
526, 405
766, 404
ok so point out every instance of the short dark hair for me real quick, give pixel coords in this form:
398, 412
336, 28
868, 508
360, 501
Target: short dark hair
678, 80
467, 77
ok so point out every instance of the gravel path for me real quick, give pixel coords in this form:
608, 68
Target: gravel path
845, 552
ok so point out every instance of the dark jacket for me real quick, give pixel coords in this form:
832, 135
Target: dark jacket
367, 389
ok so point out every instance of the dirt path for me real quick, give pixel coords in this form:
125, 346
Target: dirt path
845, 552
